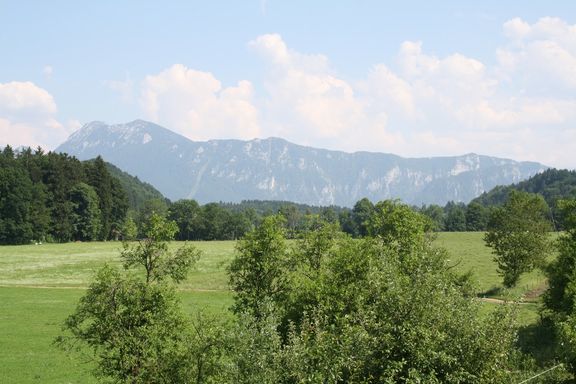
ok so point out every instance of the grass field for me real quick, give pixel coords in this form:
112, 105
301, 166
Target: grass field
468, 252
40, 284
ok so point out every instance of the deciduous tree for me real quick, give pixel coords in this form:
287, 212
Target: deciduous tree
518, 233
258, 272
382, 309
133, 326
560, 297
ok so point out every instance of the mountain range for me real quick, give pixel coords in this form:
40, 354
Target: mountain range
275, 169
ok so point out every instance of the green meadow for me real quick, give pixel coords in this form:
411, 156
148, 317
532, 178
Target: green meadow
467, 252
40, 284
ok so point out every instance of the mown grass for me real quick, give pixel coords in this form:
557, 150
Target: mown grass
467, 252
74, 264
29, 320
40, 285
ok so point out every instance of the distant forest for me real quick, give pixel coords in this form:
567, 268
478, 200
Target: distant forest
53, 197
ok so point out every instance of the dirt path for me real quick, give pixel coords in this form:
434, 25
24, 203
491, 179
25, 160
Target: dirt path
530, 296
499, 301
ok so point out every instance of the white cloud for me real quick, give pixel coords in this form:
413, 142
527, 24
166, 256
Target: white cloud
24, 98
305, 101
195, 104
273, 48
523, 107
420, 105
389, 91
541, 57
516, 28
28, 116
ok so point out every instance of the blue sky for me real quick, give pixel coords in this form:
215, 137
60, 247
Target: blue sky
418, 78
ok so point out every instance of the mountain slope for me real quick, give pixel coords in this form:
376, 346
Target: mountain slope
137, 191
552, 184
274, 169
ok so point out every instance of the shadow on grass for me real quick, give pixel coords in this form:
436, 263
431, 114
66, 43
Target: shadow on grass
494, 291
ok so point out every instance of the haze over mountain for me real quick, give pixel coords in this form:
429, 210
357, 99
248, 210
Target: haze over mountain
275, 169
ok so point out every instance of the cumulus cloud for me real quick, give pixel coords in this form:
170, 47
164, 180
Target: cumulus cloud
25, 98
195, 104
523, 107
516, 28
28, 116
387, 90
305, 100
542, 56
422, 104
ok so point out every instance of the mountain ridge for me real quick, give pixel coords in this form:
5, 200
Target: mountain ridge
276, 169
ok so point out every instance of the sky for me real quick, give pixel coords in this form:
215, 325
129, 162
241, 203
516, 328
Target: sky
413, 78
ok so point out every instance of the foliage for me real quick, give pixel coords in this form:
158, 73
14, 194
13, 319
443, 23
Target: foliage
552, 184
257, 273
187, 215
129, 230
15, 200
384, 309
262, 208
518, 233
560, 297
397, 225
151, 207
435, 214
137, 191
218, 223
455, 217
52, 215
153, 255
87, 214
134, 327
561, 294
209, 222
476, 217
361, 214
56, 197
254, 349
234, 348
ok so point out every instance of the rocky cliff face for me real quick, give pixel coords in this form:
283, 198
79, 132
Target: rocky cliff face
274, 169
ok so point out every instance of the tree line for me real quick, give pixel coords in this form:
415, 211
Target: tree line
226, 221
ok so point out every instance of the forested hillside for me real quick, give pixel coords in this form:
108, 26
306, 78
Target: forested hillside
55, 197
552, 184
137, 191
